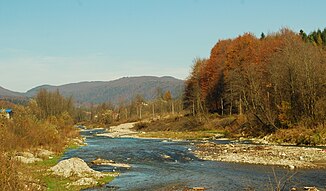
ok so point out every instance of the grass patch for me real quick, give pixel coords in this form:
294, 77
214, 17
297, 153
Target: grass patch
39, 171
49, 162
56, 183
105, 180
74, 146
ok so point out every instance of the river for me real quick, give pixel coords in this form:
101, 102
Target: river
162, 165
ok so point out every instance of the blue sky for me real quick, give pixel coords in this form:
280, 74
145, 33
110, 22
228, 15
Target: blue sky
64, 41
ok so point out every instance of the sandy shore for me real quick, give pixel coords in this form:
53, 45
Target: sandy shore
287, 156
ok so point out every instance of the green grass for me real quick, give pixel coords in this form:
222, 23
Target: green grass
105, 180
72, 146
56, 183
49, 162
39, 170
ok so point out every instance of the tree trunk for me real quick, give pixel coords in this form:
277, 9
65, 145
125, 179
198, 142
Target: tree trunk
153, 110
222, 106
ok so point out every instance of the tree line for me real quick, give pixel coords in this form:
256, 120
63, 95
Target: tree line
276, 81
137, 108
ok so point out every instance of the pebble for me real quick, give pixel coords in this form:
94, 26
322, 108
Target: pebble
291, 167
287, 156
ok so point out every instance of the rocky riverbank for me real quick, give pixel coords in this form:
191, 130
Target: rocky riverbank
122, 130
76, 169
287, 156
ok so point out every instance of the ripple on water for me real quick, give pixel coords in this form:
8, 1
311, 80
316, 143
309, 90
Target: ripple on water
157, 164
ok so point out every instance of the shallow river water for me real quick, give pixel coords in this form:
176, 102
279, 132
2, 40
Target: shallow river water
160, 164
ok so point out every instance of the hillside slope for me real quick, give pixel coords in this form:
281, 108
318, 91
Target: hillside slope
7, 93
120, 90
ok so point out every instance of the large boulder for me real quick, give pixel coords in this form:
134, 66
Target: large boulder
75, 167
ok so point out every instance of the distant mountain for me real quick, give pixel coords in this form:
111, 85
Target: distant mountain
7, 93
121, 90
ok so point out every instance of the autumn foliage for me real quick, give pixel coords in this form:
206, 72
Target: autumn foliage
45, 122
277, 81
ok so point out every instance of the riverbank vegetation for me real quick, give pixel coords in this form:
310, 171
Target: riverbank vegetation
183, 127
108, 114
275, 84
44, 123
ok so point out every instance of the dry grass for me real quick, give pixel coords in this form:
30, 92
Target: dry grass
26, 132
301, 135
181, 135
9, 177
179, 127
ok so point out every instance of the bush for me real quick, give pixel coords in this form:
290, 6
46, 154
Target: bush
191, 124
140, 126
9, 179
300, 135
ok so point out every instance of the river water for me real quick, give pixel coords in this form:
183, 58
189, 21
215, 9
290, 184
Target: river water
167, 165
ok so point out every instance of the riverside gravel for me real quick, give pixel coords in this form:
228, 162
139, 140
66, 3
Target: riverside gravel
286, 156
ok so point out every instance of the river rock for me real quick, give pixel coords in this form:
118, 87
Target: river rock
100, 161
310, 188
198, 189
26, 157
291, 167
79, 141
287, 156
43, 153
75, 167
25, 154
27, 160
218, 136
166, 156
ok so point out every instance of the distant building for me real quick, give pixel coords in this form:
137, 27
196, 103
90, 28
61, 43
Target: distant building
7, 113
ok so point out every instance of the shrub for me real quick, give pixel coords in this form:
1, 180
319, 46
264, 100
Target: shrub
300, 135
9, 177
140, 126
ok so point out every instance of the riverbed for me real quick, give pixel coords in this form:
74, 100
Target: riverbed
170, 165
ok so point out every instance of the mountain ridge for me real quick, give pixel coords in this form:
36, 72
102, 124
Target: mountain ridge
8, 93
115, 91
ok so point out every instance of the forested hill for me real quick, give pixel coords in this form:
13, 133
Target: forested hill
117, 91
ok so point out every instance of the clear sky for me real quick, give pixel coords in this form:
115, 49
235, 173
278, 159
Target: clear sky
63, 41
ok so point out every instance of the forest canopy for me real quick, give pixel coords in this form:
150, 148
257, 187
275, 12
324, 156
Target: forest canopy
276, 81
